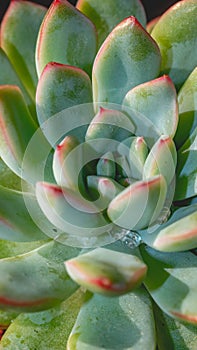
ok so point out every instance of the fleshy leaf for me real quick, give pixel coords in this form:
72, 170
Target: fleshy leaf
175, 33
187, 99
157, 101
48, 329
17, 127
162, 160
122, 61
106, 165
60, 87
19, 32
11, 180
16, 224
139, 204
172, 334
171, 282
76, 44
64, 165
107, 272
71, 213
106, 15
105, 187
179, 236
186, 184
150, 25
8, 76
108, 125
36, 280
149, 236
119, 321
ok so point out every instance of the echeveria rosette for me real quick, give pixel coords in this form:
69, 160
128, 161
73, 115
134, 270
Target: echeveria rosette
119, 172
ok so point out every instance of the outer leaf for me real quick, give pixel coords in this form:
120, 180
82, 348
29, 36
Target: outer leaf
107, 272
70, 212
8, 76
171, 282
175, 34
6, 317
118, 320
122, 61
162, 160
10, 249
76, 44
11, 180
172, 334
186, 185
60, 87
150, 25
16, 223
139, 204
17, 127
157, 101
179, 236
36, 280
19, 32
106, 15
187, 99
44, 330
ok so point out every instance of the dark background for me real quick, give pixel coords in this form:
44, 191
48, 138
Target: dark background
153, 7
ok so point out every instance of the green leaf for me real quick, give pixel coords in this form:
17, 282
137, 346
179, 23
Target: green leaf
11, 180
108, 125
77, 217
186, 183
157, 101
107, 272
19, 32
114, 323
171, 282
16, 224
106, 165
60, 87
106, 15
8, 76
44, 330
162, 160
187, 99
17, 127
175, 33
179, 236
36, 280
105, 188
172, 334
122, 61
7, 317
138, 205
149, 236
76, 44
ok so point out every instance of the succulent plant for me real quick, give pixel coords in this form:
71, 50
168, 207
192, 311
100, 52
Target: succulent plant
98, 176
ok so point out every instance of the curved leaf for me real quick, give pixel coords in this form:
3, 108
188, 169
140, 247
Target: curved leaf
19, 30
119, 321
171, 282
187, 100
36, 280
175, 33
162, 160
60, 87
71, 213
139, 204
122, 61
16, 125
107, 272
157, 101
46, 329
106, 15
8, 76
186, 184
76, 44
